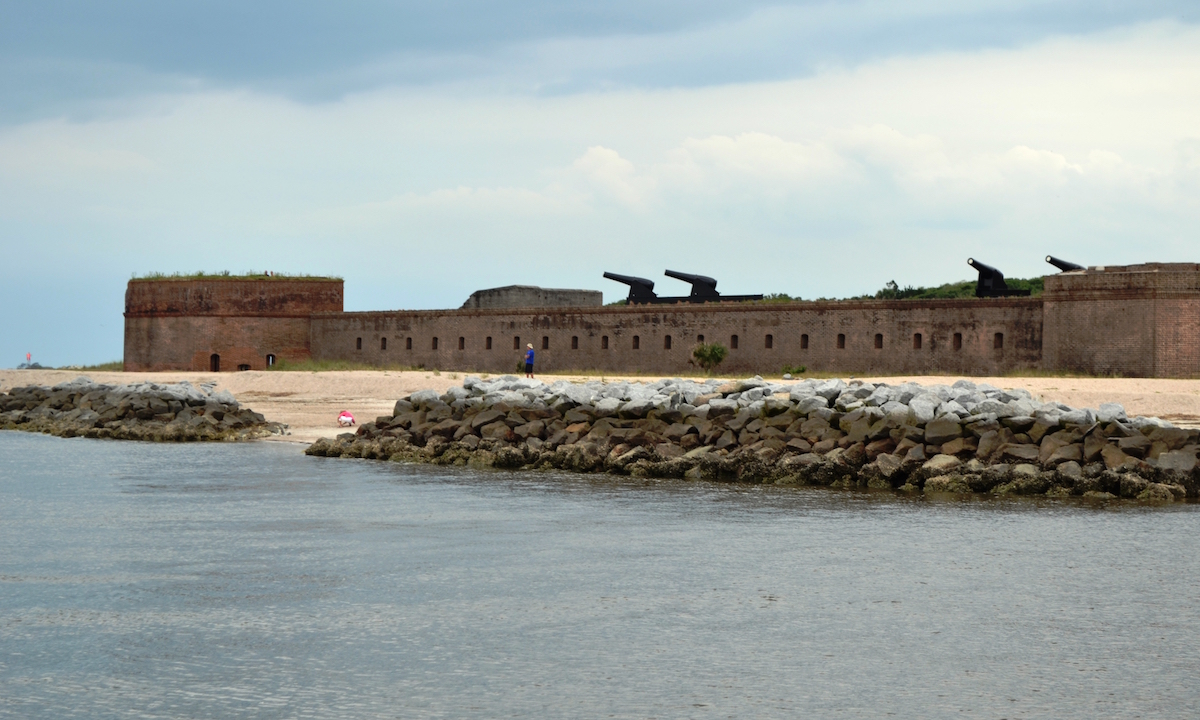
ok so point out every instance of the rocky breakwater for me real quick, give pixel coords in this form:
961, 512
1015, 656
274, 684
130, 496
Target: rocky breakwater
141, 411
964, 438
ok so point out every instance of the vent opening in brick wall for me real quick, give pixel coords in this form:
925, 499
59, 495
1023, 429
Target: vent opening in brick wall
516, 342
214, 363
462, 343
769, 341
603, 342
733, 342
408, 343
878, 341
700, 338
804, 341
358, 343
637, 342
841, 341
545, 342
383, 343
574, 342
435, 343
666, 342
916, 341
487, 344
957, 344
270, 360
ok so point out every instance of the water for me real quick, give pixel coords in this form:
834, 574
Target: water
250, 581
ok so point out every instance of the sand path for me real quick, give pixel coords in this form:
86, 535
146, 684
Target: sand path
309, 401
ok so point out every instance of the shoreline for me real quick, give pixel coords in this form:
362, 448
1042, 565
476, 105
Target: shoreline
308, 402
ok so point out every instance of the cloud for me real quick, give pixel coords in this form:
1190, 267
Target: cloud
824, 185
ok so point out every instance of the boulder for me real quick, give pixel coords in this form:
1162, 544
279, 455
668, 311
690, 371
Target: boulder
942, 430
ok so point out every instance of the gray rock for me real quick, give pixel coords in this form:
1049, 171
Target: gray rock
1109, 412
942, 430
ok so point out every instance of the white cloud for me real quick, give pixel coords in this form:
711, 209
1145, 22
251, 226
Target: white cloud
834, 184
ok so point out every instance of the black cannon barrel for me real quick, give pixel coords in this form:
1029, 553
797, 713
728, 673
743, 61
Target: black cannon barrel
703, 287
641, 290
991, 281
1063, 265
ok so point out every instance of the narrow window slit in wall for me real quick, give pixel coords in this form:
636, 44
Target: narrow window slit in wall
637, 342
733, 342
516, 342
603, 342
545, 342
462, 343
878, 341
358, 344
998, 341
958, 341
408, 343
435, 343
841, 342
383, 343
574, 342
916, 341
488, 343
770, 342
667, 342
804, 341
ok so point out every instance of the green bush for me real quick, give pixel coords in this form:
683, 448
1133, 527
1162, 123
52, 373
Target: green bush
709, 355
794, 369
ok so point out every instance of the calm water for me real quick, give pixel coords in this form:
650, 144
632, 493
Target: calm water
250, 581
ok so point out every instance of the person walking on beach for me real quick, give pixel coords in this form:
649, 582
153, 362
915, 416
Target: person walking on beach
529, 360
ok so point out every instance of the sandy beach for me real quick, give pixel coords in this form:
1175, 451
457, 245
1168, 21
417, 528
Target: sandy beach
310, 401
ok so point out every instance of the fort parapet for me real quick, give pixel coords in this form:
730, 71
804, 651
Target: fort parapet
1139, 320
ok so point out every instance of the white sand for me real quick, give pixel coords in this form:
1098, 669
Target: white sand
309, 402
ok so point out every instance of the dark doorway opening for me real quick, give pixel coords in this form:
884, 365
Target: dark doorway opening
214, 363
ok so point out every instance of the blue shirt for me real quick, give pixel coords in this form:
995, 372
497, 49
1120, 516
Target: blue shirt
529, 356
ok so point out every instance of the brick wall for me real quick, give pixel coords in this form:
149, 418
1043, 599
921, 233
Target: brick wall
1135, 321
181, 324
659, 339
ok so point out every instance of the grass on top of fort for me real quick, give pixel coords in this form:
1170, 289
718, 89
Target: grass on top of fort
226, 275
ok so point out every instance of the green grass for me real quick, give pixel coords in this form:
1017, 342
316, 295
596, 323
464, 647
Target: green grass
226, 275
113, 366
282, 365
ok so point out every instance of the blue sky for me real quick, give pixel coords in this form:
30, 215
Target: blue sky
423, 151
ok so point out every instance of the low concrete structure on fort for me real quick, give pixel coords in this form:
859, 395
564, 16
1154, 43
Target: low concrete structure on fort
1136, 320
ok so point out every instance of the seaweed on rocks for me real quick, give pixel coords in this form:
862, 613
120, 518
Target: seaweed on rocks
937, 439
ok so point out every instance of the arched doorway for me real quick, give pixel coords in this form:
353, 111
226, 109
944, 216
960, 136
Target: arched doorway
271, 360
214, 363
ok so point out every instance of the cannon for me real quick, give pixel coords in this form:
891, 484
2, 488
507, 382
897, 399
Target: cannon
703, 287
1063, 265
991, 282
641, 290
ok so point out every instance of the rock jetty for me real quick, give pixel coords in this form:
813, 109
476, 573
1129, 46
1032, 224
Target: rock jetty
140, 411
962, 438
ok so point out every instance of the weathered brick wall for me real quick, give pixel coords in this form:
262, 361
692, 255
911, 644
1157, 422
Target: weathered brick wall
1141, 320
768, 337
180, 324
1136, 321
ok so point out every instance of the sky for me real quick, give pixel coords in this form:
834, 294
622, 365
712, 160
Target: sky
422, 151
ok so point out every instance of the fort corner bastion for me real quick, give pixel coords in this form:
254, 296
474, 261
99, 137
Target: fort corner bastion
220, 323
1132, 320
